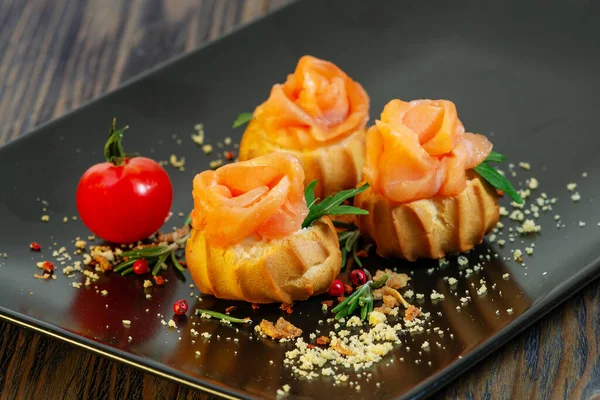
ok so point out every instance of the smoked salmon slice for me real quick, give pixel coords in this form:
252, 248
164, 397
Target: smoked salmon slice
419, 149
263, 196
316, 105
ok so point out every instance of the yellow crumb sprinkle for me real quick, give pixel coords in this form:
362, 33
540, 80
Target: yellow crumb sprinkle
216, 164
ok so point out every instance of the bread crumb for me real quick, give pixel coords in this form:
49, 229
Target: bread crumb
172, 324
506, 276
452, 281
509, 311
175, 162
376, 317
533, 183
436, 296
529, 226
104, 293
517, 215
216, 164
575, 197
529, 250
482, 290
354, 321
126, 323
517, 254
525, 165
147, 284
198, 138
425, 345
571, 186
581, 224
45, 218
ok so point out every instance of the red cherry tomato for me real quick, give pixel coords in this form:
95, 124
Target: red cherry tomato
124, 204
125, 199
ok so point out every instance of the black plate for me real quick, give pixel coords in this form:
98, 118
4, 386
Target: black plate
524, 74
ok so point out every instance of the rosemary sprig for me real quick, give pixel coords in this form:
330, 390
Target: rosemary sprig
156, 255
362, 297
495, 179
331, 205
349, 244
242, 119
226, 317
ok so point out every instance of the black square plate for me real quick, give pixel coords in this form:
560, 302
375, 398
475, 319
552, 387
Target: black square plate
523, 72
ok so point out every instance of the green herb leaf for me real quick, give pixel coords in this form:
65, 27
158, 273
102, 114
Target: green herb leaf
188, 220
343, 225
498, 181
159, 263
124, 265
363, 297
113, 149
309, 193
331, 205
242, 119
343, 210
176, 263
226, 317
495, 157
380, 282
355, 255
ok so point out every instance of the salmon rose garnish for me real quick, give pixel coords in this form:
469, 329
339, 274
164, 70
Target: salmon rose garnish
317, 104
420, 149
263, 197
318, 115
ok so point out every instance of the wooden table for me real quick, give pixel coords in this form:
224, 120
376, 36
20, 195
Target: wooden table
57, 54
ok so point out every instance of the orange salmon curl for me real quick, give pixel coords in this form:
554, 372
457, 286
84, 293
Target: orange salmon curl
420, 149
316, 105
263, 197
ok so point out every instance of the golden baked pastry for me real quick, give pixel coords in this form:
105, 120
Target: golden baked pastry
425, 201
319, 116
247, 238
294, 268
429, 228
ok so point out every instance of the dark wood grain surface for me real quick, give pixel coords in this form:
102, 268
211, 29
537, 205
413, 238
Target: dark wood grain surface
57, 54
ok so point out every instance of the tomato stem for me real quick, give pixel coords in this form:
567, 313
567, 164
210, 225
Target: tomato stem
113, 149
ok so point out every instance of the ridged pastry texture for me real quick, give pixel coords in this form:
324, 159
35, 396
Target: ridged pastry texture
429, 228
337, 165
285, 270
